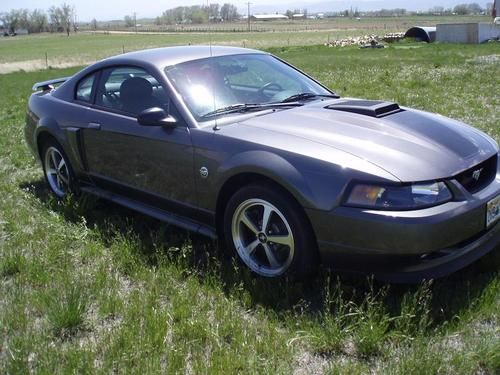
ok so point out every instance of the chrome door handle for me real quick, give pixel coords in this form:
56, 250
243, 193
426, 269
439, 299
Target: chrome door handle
94, 125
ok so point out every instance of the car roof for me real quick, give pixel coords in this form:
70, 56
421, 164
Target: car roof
166, 56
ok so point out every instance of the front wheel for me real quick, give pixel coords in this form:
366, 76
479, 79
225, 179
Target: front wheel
268, 231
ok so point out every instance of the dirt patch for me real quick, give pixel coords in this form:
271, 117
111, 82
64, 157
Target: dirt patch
32, 65
310, 364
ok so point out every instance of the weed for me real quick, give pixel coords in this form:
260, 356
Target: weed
65, 307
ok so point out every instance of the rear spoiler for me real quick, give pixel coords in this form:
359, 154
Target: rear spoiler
49, 85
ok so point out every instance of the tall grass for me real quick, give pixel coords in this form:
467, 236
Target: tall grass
87, 286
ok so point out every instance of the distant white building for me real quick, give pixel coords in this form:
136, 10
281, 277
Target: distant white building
470, 33
268, 17
298, 16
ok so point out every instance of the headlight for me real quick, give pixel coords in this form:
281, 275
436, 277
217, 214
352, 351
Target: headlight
402, 197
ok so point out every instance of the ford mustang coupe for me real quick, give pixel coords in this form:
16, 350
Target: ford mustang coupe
237, 144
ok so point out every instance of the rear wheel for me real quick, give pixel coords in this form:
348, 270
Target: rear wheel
57, 170
268, 231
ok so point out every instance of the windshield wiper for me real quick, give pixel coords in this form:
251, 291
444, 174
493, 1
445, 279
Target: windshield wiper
235, 108
307, 95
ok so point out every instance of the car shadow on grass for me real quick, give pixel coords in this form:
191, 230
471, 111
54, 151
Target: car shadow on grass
202, 257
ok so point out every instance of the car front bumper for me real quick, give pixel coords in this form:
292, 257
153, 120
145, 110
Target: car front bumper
408, 246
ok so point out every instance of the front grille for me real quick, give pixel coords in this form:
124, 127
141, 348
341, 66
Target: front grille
479, 176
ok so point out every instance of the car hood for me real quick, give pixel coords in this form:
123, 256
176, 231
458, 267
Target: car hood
411, 145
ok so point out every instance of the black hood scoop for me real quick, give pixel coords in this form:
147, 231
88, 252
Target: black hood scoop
372, 108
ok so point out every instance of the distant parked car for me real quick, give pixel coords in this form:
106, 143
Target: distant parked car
238, 144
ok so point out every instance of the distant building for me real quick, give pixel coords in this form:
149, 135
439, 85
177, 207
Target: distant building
422, 33
470, 33
268, 17
298, 16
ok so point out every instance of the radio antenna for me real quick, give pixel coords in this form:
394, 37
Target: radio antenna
212, 63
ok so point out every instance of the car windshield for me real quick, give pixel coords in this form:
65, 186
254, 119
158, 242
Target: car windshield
211, 85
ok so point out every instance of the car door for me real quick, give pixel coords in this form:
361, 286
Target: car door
151, 163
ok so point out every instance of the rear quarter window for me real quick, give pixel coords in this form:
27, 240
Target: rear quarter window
83, 91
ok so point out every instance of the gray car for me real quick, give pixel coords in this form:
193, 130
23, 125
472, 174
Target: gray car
236, 144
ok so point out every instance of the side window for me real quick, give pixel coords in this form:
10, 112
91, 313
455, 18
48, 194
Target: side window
84, 89
130, 90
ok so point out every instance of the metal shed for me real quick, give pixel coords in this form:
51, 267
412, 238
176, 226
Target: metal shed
422, 33
471, 33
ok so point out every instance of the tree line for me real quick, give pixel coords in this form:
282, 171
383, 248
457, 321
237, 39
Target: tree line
460, 9
55, 19
198, 14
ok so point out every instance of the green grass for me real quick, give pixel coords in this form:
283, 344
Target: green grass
29, 52
87, 286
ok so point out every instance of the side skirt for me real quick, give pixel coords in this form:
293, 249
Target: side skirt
159, 214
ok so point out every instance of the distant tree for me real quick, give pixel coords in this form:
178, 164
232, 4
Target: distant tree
474, 8
4, 21
38, 21
11, 20
198, 15
129, 21
289, 13
304, 12
93, 24
461, 9
213, 11
23, 16
67, 16
54, 19
229, 12
166, 18
436, 10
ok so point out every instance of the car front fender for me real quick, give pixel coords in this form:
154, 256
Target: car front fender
273, 167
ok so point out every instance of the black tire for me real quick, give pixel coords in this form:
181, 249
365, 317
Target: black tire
295, 255
59, 176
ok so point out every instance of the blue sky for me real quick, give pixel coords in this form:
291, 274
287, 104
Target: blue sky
117, 9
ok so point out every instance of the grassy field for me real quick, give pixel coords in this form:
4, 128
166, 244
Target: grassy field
87, 286
56, 50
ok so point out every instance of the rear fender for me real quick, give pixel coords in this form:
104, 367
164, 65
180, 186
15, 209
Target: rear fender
69, 139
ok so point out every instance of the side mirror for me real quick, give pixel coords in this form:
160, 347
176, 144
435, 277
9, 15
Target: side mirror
156, 117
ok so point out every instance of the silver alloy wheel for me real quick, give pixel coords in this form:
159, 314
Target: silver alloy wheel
56, 171
262, 237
